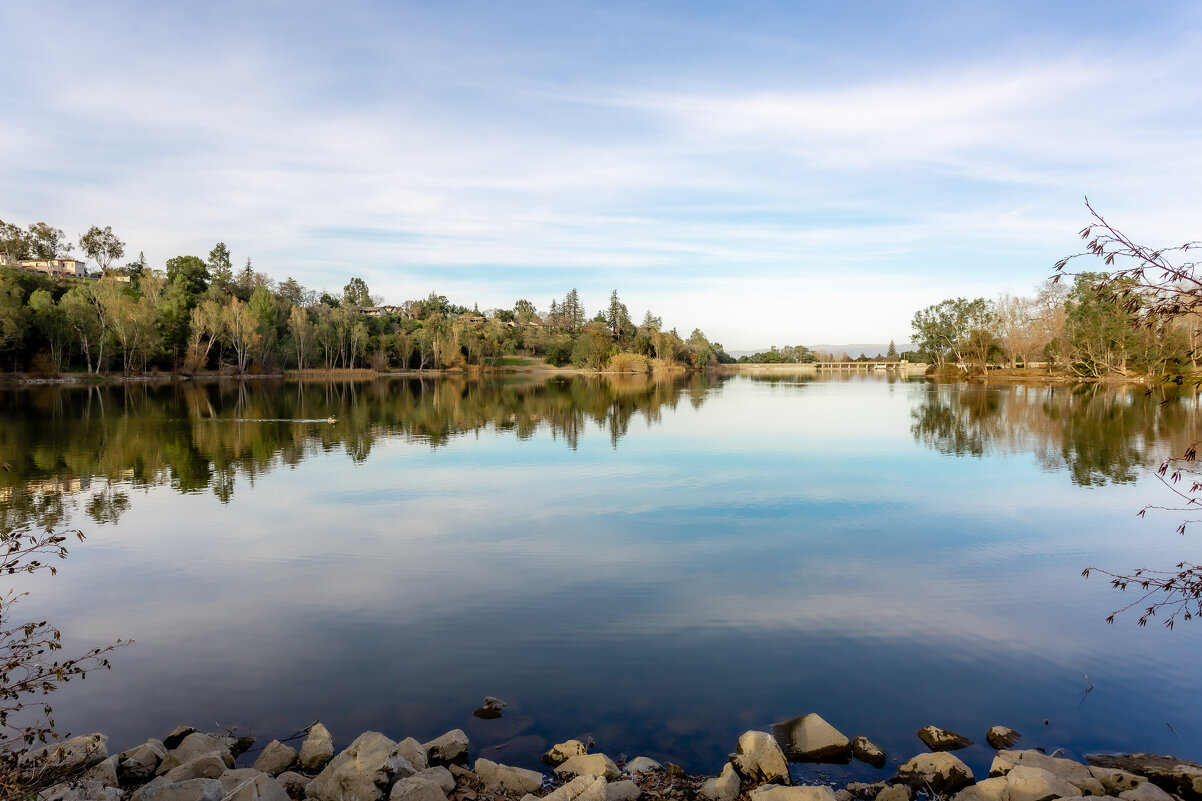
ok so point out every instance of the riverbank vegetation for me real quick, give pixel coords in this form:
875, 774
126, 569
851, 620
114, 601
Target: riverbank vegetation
202, 315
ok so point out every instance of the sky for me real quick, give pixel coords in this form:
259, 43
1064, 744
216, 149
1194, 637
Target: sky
772, 173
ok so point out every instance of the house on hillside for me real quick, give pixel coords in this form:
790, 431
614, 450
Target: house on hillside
64, 266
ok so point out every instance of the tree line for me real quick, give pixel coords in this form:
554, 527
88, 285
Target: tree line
197, 315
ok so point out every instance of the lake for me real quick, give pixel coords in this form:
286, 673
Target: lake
658, 564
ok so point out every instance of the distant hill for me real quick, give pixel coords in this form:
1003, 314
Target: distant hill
853, 350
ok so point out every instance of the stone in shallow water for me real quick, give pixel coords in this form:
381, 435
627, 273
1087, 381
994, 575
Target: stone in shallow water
866, 751
276, 758
1173, 775
758, 758
811, 737
999, 737
938, 739
448, 749
317, 749
721, 788
939, 772
193, 746
561, 752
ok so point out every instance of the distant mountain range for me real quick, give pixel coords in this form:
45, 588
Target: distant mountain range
853, 350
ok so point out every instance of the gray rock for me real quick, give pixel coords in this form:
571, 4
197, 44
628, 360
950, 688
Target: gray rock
624, 790
191, 790
865, 789
1066, 770
570, 790
561, 752
193, 746
1145, 792
440, 776
721, 788
595, 791
1116, 781
317, 749
450, 748
588, 765
414, 753
138, 764
416, 788
774, 792
496, 776
248, 784
176, 736
938, 772
362, 772
994, 789
1026, 783
844, 795
236, 744
104, 773
82, 790
1170, 774
895, 792
811, 737
463, 774
276, 758
293, 783
938, 739
208, 766
758, 758
999, 737
68, 757
866, 751
642, 764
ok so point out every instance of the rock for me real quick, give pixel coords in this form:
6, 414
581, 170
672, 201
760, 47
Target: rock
994, 789
1026, 783
138, 764
811, 737
999, 737
625, 790
68, 757
191, 790
1116, 781
293, 783
416, 788
361, 772
450, 748
595, 791
864, 750
758, 758
463, 774
938, 739
865, 790
440, 776
939, 772
176, 736
236, 744
1145, 792
844, 795
276, 758
490, 709
894, 792
1066, 770
642, 764
317, 749
496, 776
81, 790
588, 765
249, 784
570, 790
208, 766
774, 792
1168, 773
414, 753
103, 773
193, 746
560, 752
721, 788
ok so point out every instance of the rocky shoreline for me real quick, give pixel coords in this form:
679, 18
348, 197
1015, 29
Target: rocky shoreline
190, 765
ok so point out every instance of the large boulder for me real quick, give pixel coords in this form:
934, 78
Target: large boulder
68, 757
721, 788
938, 772
249, 784
176, 736
276, 758
1000, 737
138, 764
938, 739
1025, 783
624, 790
570, 790
1145, 792
416, 788
440, 776
293, 783
505, 777
317, 749
561, 752
588, 765
1066, 770
191, 790
774, 792
642, 764
758, 758
192, 747
208, 766
449, 749
1116, 781
414, 753
895, 792
993, 789
362, 772
1173, 775
595, 791
810, 737
866, 751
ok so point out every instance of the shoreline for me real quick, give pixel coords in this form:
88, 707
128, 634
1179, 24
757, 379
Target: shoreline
190, 765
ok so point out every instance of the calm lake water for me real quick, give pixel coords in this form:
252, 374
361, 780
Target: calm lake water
661, 565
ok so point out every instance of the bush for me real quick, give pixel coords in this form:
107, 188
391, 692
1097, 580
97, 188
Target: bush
628, 363
559, 353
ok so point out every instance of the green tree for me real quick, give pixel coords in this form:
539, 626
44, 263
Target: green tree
51, 321
190, 273
524, 311
356, 293
592, 350
14, 242
1099, 328
46, 242
891, 354
617, 317
221, 269
946, 329
80, 315
14, 317
302, 335
102, 247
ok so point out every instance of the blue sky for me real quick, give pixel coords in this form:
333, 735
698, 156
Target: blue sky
774, 173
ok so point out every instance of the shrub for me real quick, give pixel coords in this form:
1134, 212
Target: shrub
628, 363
